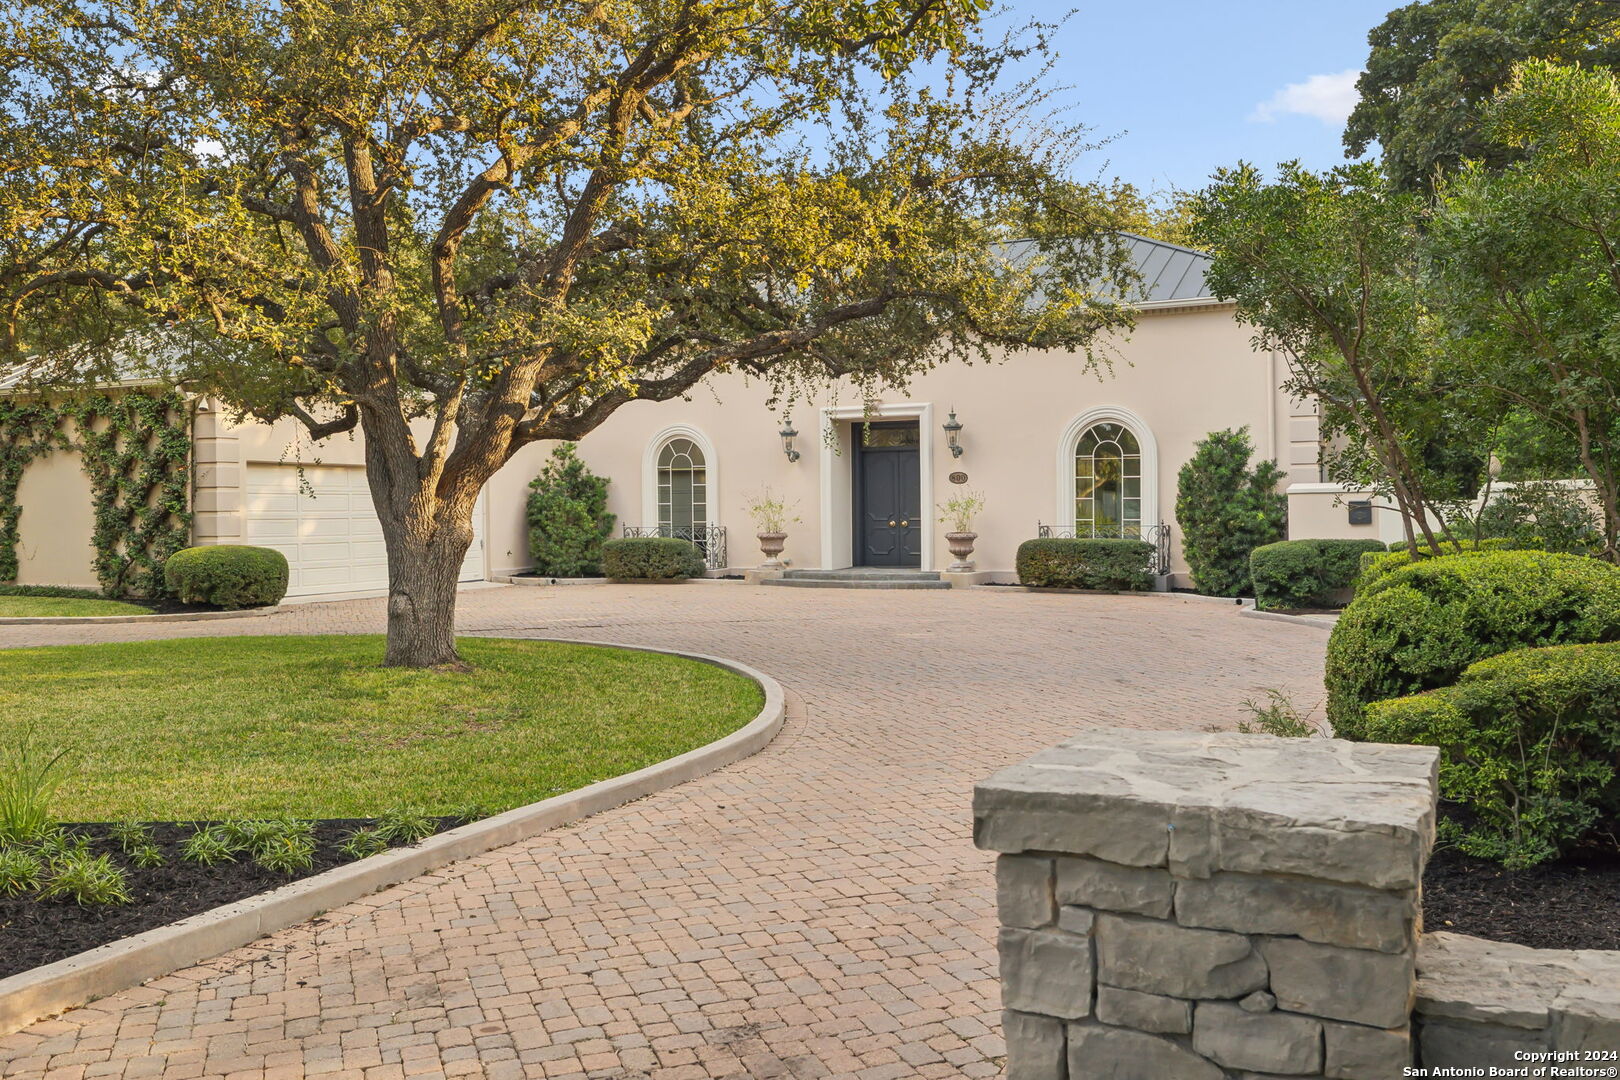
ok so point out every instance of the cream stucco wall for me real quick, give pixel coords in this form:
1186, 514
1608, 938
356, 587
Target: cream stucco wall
54, 530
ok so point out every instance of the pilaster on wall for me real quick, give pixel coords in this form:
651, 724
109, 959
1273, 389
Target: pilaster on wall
1304, 463
218, 476
1201, 907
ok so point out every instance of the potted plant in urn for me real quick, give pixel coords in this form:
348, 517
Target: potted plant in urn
771, 516
959, 513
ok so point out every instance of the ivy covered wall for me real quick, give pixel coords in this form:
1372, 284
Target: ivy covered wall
136, 449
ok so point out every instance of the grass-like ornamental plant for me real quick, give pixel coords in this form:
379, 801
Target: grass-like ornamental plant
130, 835
88, 880
362, 844
207, 847
1115, 565
21, 871
30, 775
286, 853
652, 558
228, 576
1306, 573
405, 825
146, 856
1418, 627
1530, 744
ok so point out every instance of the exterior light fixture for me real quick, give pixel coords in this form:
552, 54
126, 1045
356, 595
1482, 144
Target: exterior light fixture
788, 435
953, 428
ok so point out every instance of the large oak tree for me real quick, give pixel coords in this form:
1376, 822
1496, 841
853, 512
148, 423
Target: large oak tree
501, 220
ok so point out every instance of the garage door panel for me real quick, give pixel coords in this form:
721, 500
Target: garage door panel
327, 528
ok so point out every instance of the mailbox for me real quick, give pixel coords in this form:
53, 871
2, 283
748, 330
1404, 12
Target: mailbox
1361, 512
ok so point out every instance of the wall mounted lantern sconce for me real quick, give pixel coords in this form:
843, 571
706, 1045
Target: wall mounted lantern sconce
953, 428
788, 435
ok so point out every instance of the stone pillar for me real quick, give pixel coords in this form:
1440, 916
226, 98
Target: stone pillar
1205, 907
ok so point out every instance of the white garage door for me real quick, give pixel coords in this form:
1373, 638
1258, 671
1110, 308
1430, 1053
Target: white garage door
327, 528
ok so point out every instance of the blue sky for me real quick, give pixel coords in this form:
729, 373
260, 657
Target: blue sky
1189, 85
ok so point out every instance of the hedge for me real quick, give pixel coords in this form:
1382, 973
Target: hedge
66, 592
1303, 573
652, 558
1529, 743
227, 576
1116, 565
1375, 565
1418, 627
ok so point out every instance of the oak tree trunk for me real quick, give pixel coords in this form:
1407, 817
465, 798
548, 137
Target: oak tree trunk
423, 573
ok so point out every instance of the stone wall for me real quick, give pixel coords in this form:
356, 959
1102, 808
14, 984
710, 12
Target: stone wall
1206, 907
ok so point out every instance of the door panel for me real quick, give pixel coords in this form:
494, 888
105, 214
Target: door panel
888, 506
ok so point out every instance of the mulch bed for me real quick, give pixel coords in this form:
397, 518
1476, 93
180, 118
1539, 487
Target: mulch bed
1571, 903
35, 932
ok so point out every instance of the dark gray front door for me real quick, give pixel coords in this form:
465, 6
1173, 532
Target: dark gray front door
888, 496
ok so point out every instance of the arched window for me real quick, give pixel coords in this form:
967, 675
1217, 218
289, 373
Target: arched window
683, 489
1108, 482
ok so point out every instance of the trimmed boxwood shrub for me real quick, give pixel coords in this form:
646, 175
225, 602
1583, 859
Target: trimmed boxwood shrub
1302, 573
1119, 565
227, 576
1375, 565
1528, 741
65, 592
1417, 628
654, 558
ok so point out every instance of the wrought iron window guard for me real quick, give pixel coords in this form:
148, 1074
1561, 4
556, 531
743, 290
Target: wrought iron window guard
1157, 535
710, 539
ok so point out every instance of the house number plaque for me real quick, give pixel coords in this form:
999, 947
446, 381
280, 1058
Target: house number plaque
958, 477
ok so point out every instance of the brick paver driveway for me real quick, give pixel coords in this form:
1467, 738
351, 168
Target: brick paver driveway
818, 910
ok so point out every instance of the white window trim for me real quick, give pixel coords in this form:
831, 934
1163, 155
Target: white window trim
649, 472
1148, 445
837, 523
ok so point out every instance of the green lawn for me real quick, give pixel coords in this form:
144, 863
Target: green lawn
35, 607
313, 727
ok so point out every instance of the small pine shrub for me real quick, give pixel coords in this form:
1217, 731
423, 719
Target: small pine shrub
568, 517
1225, 510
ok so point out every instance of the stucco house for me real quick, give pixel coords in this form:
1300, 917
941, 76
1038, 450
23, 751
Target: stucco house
1047, 444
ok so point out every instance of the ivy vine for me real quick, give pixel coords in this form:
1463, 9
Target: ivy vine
136, 450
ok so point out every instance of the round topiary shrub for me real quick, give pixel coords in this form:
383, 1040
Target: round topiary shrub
1306, 573
1529, 742
1375, 564
1418, 627
651, 558
227, 576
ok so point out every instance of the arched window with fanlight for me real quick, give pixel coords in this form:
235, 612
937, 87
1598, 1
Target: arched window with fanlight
683, 489
1108, 482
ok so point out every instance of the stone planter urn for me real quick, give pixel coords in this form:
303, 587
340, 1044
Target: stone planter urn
961, 545
772, 543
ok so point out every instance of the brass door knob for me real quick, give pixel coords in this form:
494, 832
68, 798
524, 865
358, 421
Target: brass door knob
891, 524
903, 524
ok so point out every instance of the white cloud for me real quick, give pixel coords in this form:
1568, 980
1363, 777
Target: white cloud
1329, 98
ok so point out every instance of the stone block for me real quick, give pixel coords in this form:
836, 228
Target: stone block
1162, 958
1046, 972
1357, 918
1024, 891
1111, 887
1354, 1052
1361, 813
1111, 1053
1076, 920
1574, 994
1357, 985
1271, 1042
1258, 1002
1144, 1012
1461, 1045
1035, 1047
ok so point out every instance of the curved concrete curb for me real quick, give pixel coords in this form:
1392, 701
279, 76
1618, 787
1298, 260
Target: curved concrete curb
108, 620
44, 991
1319, 622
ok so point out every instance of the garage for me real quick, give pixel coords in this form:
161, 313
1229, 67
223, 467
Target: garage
321, 518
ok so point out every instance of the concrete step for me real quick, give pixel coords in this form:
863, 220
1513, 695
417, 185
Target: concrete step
861, 574
913, 582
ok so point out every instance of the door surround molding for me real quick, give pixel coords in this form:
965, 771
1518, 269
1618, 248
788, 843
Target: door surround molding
837, 486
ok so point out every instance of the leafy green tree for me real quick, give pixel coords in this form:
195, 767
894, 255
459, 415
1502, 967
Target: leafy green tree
1225, 510
568, 517
468, 225
1326, 268
1435, 65
1527, 264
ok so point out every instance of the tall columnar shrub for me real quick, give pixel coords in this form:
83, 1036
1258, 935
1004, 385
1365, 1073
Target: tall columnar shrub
1419, 627
568, 517
1225, 510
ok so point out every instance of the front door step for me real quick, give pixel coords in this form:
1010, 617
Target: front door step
861, 577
